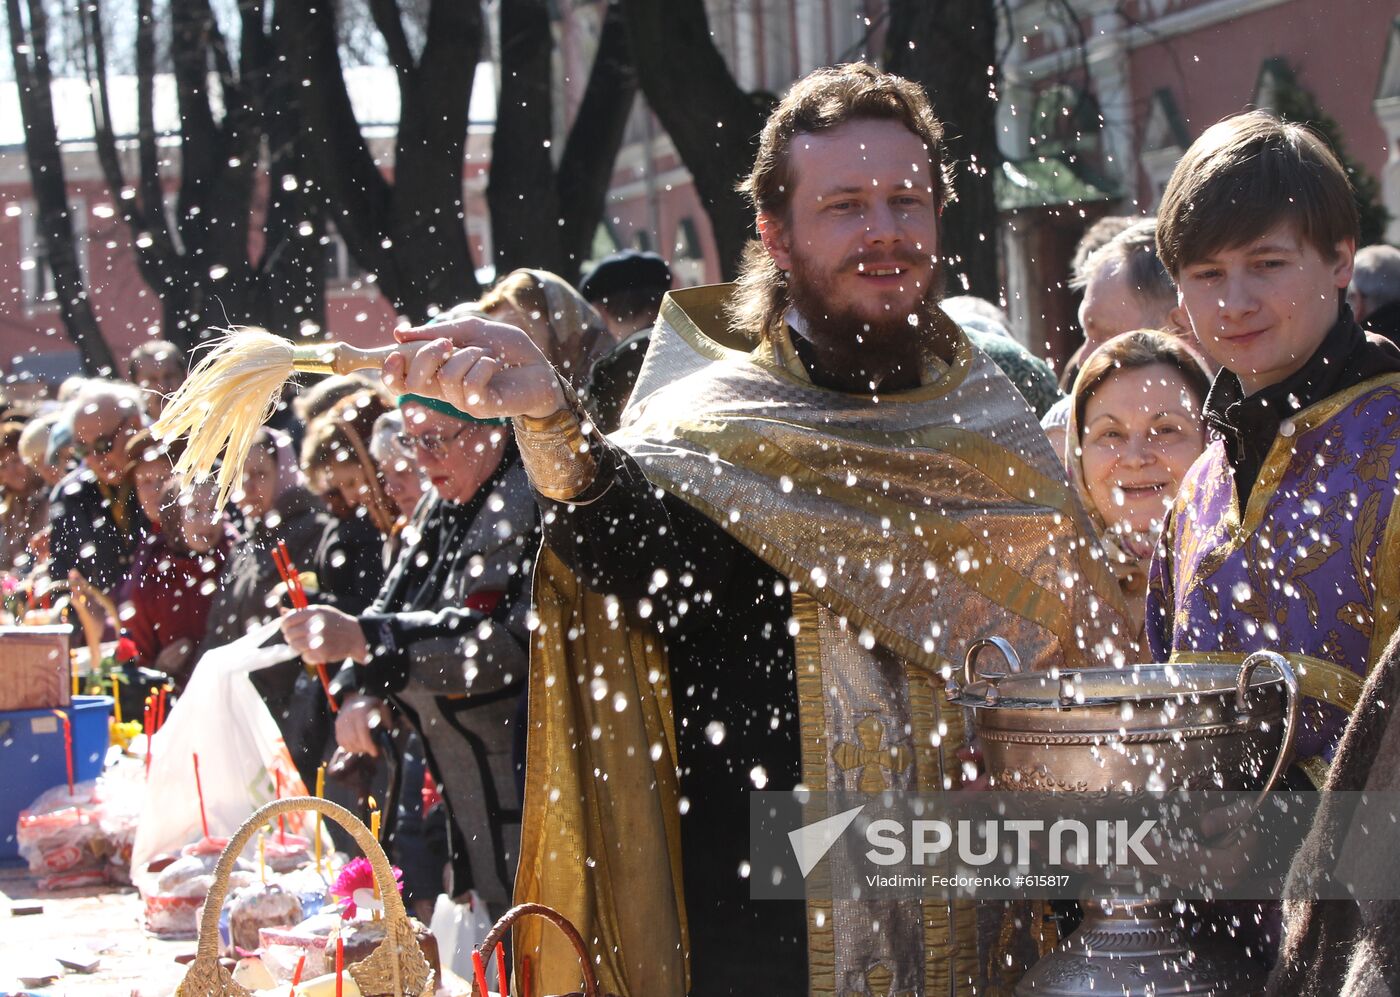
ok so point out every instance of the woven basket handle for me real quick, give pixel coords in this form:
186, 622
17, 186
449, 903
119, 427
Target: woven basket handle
394, 912
508, 919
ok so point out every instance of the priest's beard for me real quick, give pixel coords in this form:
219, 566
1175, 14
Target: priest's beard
848, 336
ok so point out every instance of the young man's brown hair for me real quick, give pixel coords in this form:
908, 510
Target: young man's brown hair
821, 100
1243, 177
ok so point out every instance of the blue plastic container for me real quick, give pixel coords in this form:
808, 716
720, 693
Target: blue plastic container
32, 758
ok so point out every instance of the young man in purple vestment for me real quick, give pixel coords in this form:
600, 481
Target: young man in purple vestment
1282, 535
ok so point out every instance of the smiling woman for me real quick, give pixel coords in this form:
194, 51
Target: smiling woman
1135, 429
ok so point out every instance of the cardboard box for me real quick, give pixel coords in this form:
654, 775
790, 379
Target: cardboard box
34, 667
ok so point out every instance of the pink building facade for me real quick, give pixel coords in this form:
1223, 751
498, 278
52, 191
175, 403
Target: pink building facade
1107, 100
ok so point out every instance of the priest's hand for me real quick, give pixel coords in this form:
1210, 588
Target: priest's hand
357, 721
487, 369
322, 635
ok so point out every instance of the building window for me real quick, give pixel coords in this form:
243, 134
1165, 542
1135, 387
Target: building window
35, 272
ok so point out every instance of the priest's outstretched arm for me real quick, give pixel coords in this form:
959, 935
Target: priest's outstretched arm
620, 534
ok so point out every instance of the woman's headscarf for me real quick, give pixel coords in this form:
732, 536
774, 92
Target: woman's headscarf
1129, 553
563, 325
342, 434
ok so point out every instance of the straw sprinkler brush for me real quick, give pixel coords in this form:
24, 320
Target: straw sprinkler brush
234, 389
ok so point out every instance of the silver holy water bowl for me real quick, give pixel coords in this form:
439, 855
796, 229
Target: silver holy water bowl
1139, 729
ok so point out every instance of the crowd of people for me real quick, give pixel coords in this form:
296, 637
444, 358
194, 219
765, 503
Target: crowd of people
574, 502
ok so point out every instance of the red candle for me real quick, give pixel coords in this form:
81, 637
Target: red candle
149, 728
296, 976
525, 974
160, 707
67, 746
199, 788
339, 965
479, 968
501, 980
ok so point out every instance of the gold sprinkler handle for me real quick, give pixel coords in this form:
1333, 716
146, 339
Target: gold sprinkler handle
339, 358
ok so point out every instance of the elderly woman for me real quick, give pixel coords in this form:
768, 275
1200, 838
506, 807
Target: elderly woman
445, 642
97, 523
404, 483
1136, 426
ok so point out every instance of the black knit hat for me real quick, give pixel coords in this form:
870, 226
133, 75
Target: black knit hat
625, 271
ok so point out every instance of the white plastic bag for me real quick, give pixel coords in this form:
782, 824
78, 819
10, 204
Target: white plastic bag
459, 928
220, 717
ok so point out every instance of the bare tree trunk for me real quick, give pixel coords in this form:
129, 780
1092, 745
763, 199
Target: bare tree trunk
542, 216
521, 194
45, 158
713, 123
590, 152
410, 233
949, 46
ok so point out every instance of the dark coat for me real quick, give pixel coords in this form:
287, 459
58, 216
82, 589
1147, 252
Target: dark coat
1342, 947
724, 615
88, 535
245, 595
448, 641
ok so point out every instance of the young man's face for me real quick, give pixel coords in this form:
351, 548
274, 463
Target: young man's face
1264, 308
861, 236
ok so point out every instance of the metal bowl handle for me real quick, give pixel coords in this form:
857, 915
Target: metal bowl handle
1013, 660
1290, 729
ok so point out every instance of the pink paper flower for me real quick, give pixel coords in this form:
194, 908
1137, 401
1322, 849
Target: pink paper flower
358, 874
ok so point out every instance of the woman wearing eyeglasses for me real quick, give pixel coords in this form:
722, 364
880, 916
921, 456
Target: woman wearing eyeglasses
443, 647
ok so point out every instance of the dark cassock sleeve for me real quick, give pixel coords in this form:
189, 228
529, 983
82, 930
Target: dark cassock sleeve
626, 537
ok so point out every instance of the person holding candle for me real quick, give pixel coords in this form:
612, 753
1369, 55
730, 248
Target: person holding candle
443, 647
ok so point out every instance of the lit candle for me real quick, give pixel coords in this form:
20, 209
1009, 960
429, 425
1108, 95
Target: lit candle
374, 833
320, 794
339, 965
116, 699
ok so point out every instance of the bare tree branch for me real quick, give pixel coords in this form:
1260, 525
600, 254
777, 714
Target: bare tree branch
154, 249
389, 20
949, 47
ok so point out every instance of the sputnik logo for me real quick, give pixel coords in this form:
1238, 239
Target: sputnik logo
812, 841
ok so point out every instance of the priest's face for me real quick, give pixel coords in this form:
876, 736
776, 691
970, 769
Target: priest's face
860, 239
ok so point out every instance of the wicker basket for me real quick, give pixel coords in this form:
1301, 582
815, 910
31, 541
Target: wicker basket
498, 933
396, 968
